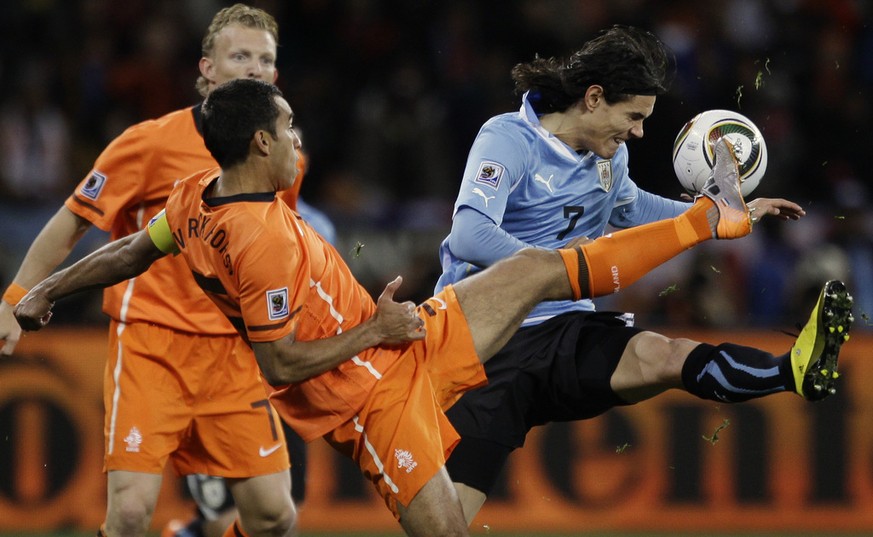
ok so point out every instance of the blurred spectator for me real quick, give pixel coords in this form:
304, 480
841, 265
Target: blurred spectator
34, 139
852, 230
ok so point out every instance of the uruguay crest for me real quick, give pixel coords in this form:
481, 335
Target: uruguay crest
604, 173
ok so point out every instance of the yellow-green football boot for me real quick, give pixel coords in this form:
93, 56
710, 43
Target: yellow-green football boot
814, 354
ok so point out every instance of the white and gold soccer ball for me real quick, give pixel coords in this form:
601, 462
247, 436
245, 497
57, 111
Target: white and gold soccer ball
694, 149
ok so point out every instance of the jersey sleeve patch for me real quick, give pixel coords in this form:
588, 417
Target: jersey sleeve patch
159, 231
93, 186
277, 304
489, 174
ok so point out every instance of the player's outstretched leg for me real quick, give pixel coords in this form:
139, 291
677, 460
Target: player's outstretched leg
614, 261
814, 354
730, 218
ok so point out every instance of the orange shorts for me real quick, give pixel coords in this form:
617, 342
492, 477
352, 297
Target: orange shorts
401, 438
197, 400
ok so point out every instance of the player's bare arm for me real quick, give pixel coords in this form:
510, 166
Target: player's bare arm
115, 262
286, 360
53, 244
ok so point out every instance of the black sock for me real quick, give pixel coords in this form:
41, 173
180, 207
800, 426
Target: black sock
195, 527
733, 373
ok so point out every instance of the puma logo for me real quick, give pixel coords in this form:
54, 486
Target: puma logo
548, 182
478, 191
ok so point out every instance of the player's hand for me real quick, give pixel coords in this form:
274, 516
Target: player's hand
396, 322
34, 311
10, 331
776, 207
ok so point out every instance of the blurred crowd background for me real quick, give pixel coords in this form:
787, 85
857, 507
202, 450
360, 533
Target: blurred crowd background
389, 94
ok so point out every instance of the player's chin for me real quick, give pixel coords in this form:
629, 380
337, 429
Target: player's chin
289, 182
608, 151
609, 148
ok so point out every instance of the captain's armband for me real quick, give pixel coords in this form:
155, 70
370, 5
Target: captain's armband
159, 232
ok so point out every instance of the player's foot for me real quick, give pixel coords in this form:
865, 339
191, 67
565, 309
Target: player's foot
814, 354
730, 218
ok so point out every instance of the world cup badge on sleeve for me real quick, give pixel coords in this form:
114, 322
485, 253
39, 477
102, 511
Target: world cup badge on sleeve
277, 304
94, 185
489, 174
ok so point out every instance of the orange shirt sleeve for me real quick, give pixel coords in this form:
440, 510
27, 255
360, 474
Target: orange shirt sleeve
271, 286
114, 182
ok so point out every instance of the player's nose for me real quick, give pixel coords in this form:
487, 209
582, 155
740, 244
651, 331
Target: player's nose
256, 71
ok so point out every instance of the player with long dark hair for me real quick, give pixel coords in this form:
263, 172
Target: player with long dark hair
553, 175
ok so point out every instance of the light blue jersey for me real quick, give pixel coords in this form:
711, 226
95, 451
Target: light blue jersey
527, 188
318, 220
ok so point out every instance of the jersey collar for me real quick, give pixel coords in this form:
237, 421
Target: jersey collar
224, 200
255, 196
529, 116
196, 111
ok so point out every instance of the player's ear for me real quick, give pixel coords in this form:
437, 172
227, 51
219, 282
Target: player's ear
263, 141
275, 76
206, 68
593, 97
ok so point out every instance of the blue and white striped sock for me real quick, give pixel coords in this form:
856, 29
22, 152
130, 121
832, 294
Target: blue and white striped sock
733, 373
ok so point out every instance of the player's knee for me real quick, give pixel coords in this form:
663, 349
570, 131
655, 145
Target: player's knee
661, 358
433, 512
128, 517
539, 265
280, 522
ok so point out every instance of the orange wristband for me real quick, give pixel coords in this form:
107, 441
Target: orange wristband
14, 293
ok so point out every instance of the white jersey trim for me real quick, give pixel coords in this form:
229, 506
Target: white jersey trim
339, 329
529, 116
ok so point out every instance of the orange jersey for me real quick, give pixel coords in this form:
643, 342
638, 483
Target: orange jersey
128, 185
272, 274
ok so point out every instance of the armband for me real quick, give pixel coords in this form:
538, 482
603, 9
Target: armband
160, 234
14, 293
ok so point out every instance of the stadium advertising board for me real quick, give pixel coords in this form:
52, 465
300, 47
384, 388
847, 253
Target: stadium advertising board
672, 463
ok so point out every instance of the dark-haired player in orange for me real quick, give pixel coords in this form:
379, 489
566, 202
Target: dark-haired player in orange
215, 509
373, 379
177, 378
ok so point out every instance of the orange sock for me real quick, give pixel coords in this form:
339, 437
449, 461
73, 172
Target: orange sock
617, 260
234, 530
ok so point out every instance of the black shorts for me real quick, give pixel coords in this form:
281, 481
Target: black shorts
558, 370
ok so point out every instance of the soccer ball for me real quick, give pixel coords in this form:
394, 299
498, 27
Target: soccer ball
694, 149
